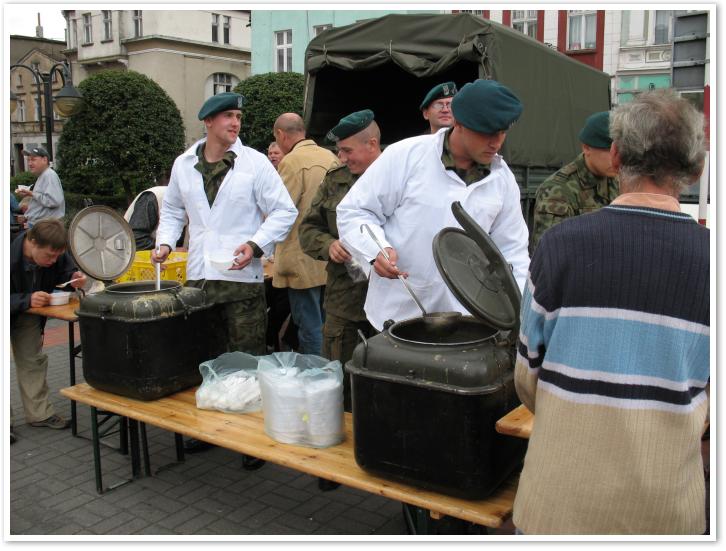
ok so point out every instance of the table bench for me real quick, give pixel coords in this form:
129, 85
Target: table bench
518, 422
245, 434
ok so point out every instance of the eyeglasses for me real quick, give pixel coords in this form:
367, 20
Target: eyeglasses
439, 105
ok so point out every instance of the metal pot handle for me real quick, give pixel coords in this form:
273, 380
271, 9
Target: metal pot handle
187, 309
365, 347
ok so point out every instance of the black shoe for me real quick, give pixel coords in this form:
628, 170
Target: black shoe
325, 485
250, 463
192, 445
13, 438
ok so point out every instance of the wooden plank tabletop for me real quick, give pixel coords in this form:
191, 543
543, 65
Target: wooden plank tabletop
517, 422
65, 312
245, 434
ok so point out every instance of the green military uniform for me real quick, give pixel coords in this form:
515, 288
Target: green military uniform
344, 298
242, 307
475, 173
571, 191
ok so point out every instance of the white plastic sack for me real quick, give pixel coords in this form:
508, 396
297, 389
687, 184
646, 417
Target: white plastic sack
302, 399
229, 384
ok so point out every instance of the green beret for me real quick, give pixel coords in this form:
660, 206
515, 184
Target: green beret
443, 90
221, 102
350, 124
486, 106
596, 132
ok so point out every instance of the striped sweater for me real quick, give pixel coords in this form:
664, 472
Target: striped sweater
613, 358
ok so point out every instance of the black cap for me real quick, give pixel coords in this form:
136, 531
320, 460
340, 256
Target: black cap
36, 152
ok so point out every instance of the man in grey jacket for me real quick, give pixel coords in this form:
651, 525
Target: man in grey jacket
46, 195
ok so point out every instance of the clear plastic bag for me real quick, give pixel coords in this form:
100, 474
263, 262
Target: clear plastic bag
229, 384
356, 271
302, 399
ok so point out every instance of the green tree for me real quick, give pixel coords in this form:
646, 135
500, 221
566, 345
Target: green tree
267, 96
125, 138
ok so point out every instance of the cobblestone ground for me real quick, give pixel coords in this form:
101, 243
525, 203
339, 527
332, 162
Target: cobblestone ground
52, 487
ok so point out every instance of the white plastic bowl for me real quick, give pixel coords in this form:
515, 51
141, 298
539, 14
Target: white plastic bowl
59, 297
221, 264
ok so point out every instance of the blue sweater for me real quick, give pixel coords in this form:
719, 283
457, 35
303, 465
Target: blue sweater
614, 353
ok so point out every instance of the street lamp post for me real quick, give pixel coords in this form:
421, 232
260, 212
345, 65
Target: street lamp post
67, 101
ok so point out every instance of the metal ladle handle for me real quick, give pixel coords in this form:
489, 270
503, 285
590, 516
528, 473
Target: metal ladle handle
385, 255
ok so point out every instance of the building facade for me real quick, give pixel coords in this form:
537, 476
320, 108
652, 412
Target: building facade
279, 37
27, 122
191, 54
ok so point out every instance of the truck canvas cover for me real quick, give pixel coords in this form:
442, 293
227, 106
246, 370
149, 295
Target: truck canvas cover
388, 64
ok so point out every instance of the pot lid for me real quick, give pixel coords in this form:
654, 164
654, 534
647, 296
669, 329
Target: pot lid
101, 242
476, 272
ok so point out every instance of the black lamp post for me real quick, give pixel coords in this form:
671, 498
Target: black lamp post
67, 101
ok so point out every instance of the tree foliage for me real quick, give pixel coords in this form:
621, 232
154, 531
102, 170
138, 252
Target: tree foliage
267, 96
125, 138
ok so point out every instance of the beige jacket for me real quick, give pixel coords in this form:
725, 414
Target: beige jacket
302, 170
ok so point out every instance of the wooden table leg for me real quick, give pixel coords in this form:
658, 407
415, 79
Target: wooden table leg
134, 437
96, 450
72, 363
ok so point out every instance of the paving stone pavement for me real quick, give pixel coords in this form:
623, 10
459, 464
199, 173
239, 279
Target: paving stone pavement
52, 486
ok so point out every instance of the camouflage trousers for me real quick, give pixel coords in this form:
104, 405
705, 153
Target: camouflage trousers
242, 313
340, 337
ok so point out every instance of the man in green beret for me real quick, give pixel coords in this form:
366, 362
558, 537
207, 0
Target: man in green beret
405, 197
436, 106
238, 209
358, 141
585, 185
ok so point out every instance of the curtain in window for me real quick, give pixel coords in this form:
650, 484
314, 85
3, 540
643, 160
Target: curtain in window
575, 32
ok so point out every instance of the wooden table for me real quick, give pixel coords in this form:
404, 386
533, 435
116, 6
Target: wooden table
65, 312
517, 422
245, 434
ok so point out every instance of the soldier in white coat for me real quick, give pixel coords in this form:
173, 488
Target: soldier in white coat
238, 208
405, 198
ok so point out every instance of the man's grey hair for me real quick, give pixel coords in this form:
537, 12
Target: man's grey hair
659, 135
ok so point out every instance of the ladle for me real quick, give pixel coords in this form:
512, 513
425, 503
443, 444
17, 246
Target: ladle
437, 322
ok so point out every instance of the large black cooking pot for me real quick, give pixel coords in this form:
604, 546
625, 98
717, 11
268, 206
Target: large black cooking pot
137, 341
425, 402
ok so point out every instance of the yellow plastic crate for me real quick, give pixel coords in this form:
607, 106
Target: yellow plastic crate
142, 269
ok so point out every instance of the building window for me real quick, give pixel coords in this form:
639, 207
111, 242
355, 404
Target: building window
138, 23
582, 30
87, 29
20, 80
20, 110
36, 66
38, 110
215, 27
629, 86
317, 29
107, 25
226, 25
283, 41
525, 21
480, 13
662, 27
222, 83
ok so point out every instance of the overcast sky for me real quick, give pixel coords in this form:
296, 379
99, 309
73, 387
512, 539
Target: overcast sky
22, 19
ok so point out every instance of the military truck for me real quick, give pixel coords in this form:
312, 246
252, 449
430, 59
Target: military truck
388, 64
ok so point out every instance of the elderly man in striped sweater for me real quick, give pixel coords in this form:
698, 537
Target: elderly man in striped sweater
614, 345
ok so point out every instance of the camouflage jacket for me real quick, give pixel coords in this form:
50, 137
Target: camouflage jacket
318, 229
571, 191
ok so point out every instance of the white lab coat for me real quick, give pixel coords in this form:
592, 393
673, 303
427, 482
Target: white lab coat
405, 197
251, 204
